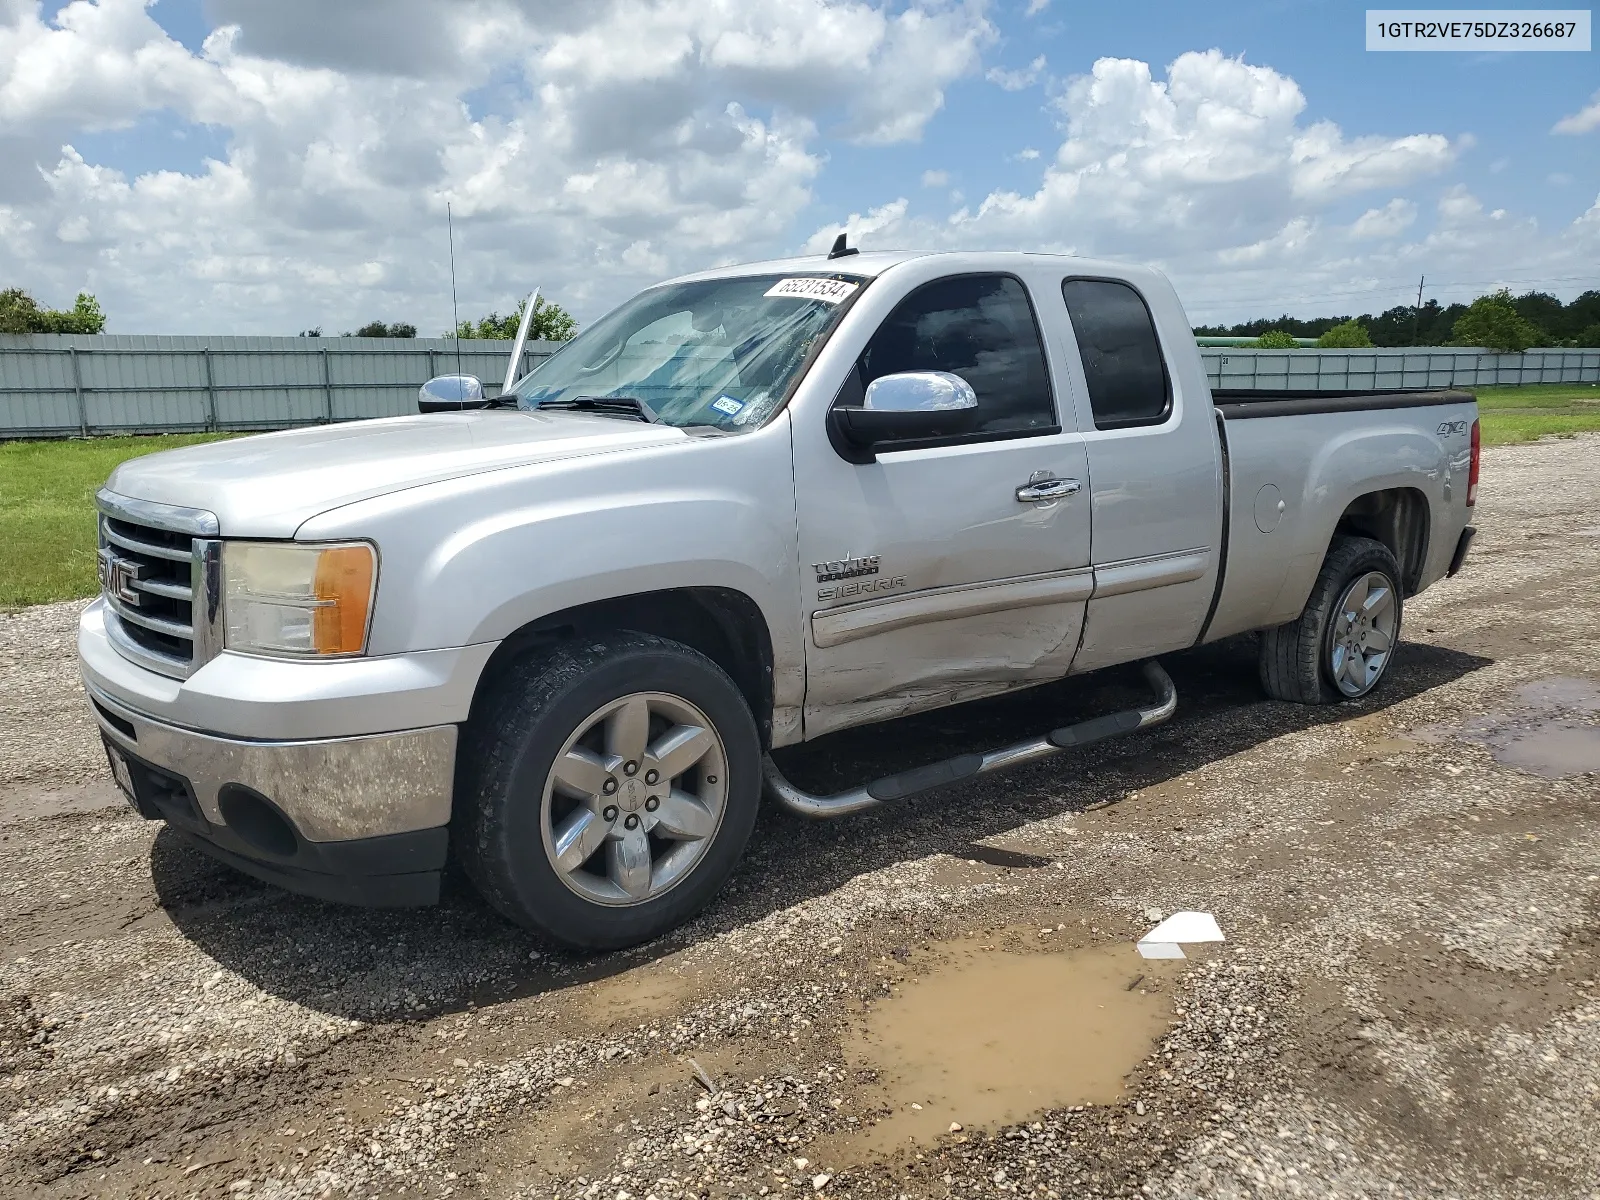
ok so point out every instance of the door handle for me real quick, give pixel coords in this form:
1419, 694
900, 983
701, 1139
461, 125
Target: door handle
1041, 490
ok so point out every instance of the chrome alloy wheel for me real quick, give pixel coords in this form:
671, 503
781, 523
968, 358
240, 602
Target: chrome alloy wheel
1362, 634
634, 799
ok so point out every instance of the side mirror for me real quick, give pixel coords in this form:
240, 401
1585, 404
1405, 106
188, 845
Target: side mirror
450, 393
908, 406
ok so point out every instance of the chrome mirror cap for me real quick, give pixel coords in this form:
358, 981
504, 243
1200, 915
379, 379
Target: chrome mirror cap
920, 391
449, 393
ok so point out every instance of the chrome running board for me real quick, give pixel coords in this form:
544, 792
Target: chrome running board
964, 766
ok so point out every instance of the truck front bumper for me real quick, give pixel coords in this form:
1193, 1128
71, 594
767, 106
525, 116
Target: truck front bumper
332, 779
277, 810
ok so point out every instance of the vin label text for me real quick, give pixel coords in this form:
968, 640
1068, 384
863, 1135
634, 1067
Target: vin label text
1477, 29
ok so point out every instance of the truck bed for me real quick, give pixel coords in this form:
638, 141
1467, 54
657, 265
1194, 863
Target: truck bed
1237, 404
1287, 482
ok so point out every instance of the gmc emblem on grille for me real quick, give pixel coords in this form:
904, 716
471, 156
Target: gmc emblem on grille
117, 576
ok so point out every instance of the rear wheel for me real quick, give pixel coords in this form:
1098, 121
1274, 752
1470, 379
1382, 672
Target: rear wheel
607, 789
1341, 646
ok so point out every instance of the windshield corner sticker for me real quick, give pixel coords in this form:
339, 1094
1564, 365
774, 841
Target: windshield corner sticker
829, 291
728, 405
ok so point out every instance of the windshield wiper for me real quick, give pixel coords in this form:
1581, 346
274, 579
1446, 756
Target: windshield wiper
605, 405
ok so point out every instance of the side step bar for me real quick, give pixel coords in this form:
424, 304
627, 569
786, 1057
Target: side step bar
965, 766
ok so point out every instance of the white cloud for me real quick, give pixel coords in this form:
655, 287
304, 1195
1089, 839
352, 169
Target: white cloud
591, 148
1015, 81
1035, 7
606, 145
858, 227
1393, 219
1027, 154
99, 67
1584, 120
1289, 242
1212, 174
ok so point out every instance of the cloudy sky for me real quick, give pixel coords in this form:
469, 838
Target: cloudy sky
260, 166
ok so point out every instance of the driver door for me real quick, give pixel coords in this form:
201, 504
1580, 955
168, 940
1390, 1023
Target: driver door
925, 578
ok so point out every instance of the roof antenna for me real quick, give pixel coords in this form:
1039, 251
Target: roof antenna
455, 306
840, 250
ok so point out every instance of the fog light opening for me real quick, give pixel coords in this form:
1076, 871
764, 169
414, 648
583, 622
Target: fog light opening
252, 816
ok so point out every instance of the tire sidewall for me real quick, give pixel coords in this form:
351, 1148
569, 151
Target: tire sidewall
527, 887
1372, 557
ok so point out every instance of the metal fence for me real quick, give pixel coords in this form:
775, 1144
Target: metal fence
80, 386
1423, 367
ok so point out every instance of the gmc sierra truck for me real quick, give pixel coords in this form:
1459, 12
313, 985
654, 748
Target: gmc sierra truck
554, 634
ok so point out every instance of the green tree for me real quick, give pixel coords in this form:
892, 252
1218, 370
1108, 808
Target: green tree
1347, 335
1588, 337
1276, 339
1494, 323
551, 323
1397, 326
20, 313
1543, 310
400, 329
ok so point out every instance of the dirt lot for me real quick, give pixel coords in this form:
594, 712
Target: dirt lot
1406, 1003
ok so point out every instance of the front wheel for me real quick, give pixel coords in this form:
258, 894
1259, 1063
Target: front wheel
1341, 646
607, 789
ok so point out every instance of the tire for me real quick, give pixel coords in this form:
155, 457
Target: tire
598, 869
1310, 660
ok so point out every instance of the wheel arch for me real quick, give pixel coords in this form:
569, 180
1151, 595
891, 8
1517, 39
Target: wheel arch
1399, 519
724, 624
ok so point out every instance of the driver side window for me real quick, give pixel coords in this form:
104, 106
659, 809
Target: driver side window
982, 328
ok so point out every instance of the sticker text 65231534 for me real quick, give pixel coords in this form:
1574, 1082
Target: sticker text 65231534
829, 291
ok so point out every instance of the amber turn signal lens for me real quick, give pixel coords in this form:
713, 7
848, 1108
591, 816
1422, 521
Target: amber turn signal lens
343, 589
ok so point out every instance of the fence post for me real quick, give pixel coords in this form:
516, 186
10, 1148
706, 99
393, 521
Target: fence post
77, 389
327, 388
211, 393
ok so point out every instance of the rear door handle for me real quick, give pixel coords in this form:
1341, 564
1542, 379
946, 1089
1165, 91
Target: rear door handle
1041, 490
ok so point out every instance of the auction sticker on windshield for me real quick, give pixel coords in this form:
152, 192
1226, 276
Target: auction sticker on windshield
829, 291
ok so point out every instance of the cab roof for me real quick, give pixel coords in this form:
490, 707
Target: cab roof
872, 263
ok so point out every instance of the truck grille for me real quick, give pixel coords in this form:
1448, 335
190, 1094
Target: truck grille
155, 579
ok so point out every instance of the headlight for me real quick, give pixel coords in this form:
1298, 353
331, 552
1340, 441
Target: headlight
281, 598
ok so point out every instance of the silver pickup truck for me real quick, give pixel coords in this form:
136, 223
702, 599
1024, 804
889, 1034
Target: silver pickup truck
556, 635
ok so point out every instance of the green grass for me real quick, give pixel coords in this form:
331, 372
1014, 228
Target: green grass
47, 534
1523, 414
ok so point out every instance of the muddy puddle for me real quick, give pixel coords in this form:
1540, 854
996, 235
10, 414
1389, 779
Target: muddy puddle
1551, 729
991, 1035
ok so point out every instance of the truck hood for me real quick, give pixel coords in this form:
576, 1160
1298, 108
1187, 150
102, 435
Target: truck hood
270, 484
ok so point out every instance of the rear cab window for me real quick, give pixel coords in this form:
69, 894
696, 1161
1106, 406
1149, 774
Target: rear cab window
1123, 368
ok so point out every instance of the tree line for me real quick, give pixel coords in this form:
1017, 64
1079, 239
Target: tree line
1498, 321
550, 323
21, 313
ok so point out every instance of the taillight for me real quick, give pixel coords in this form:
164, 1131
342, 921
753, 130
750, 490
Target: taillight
1472, 471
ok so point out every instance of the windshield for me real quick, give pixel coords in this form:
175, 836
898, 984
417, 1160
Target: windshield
720, 352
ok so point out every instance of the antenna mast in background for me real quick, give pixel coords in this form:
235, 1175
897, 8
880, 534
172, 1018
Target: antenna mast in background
455, 308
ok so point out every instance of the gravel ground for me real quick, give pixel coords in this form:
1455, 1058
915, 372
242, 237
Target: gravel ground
1406, 1004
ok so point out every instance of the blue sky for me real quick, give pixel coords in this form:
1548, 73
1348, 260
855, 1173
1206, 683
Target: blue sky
293, 169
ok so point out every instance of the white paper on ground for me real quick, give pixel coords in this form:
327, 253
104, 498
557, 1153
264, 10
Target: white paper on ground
1161, 950
1164, 941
